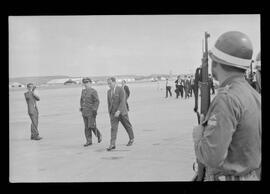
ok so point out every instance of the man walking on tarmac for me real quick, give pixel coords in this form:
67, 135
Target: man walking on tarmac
228, 140
118, 112
31, 99
89, 105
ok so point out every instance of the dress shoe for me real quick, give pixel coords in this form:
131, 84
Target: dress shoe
110, 148
87, 144
36, 138
130, 142
99, 139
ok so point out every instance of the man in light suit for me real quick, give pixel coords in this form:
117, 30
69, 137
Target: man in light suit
31, 99
118, 112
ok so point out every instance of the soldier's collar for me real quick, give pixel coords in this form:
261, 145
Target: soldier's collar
229, 79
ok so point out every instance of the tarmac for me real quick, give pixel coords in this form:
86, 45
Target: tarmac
162, 151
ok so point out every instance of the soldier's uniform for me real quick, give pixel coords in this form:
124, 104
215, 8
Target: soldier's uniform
89, 104
230, 143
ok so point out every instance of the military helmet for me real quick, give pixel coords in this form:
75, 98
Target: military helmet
233, 48
86, 80
258, 61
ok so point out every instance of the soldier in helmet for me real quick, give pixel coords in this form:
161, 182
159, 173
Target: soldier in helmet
258, 73
228, 140
89, 105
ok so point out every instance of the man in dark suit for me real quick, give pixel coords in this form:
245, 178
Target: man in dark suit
179, 84
31, 99
168, 87
118, 112
186, 86
191, 85
127, 92
89, 104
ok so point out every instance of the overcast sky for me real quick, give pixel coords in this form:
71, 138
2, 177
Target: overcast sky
115, 45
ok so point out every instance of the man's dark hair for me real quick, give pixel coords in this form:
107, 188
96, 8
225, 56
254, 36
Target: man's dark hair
112, 79
86, 80
29, 84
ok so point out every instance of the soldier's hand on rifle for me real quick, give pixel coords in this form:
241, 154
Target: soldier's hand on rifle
198, 130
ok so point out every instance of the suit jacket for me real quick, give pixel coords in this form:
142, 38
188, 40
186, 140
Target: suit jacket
31, 99
186, 83
117, 101
89, 101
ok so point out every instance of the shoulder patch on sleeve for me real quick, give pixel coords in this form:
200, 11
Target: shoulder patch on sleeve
212, 120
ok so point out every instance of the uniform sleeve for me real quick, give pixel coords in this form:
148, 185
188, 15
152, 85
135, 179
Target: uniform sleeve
212, 148
96, 100
36, 96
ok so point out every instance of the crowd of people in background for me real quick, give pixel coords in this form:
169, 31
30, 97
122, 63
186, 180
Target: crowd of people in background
185, 86
254, 79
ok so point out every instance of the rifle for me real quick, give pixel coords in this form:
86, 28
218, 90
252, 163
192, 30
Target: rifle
205, 103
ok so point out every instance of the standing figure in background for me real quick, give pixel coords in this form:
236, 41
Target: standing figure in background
177, 86
197, 80
211, 84
181, 86
127, 92
254, 80
31, 99
168, 87
186, 86
89, 105
258, 73
192, 82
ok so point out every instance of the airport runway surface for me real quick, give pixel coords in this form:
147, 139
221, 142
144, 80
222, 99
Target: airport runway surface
163, 148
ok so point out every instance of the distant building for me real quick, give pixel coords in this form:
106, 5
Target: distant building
126, 79
70, 81
16, 85
57, 81
78, 80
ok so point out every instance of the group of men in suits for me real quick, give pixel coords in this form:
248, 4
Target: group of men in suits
184, 87
89, 102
